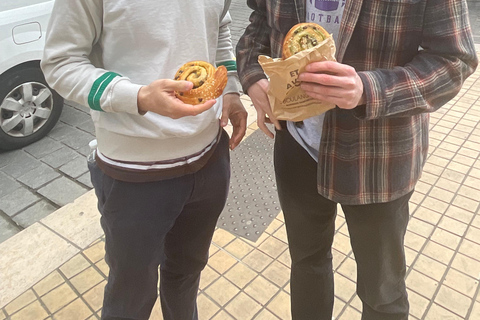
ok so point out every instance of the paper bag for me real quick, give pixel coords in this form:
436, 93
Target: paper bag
287, 99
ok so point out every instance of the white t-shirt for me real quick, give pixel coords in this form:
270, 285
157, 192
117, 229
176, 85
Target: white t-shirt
328, 14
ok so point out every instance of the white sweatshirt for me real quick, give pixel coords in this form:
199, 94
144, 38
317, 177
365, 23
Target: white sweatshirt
100, 52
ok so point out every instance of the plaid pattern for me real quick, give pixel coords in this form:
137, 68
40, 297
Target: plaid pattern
412, 56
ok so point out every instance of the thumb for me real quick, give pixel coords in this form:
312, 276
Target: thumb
177, 85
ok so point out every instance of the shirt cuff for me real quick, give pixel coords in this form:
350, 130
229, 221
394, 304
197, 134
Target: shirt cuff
372, 108
233, 85
122, 97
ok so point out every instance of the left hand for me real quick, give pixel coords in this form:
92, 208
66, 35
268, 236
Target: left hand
234, 110
333, 82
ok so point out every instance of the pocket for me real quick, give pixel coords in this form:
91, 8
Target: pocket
96, 177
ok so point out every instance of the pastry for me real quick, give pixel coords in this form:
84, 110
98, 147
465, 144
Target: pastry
208, 82
302, 36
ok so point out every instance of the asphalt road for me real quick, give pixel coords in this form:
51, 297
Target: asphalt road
42, 177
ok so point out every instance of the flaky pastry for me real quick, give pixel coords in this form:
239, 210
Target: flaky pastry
208, 82
302, 36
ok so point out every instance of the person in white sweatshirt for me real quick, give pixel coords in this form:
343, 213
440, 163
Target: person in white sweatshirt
162, 167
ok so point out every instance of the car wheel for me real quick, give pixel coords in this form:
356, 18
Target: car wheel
29, 108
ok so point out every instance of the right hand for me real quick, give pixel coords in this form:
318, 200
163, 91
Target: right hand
159, 97
258, 93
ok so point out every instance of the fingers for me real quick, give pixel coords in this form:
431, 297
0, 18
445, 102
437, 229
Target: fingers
270, 118
323, 97
275, 122
175, 85
261, 124
330, 67
199, 108
225, 114
180, 109
344, 99
333, 82
323, 90
262, 112
329, 73
239, 130
258, 94
323, 78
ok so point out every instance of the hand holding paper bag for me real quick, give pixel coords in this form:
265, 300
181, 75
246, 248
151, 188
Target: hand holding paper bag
287, 98
333, 82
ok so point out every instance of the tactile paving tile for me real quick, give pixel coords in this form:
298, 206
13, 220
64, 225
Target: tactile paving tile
252, 203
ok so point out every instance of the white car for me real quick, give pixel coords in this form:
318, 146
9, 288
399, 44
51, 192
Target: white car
29, 108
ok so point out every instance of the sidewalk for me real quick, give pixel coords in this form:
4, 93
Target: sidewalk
55, 268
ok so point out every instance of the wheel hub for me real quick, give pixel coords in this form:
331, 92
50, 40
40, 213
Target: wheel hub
28, 109
25, 109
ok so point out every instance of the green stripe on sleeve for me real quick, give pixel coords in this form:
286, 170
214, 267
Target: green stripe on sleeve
231, 65
98, 88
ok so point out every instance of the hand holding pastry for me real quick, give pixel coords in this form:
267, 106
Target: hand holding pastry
159, 97
208, 82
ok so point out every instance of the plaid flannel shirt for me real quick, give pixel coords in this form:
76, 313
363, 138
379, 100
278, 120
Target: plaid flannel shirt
412, 56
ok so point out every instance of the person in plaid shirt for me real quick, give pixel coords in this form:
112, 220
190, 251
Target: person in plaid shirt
397, 61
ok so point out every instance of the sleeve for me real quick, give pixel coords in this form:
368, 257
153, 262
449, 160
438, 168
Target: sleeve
226, 57
436, 73
254, 42
74, 30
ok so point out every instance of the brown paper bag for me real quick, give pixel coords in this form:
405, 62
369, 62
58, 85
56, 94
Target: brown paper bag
288, 100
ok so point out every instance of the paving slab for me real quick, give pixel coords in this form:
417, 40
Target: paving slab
78, 106
60, 131
7, 185
85, 150
78, 222
77, 139
74, 117
17, 200
87, 126
60, 157
39, 176
34, 213
7, 157
43, 147
85, 180
23, 264
23, 163
75, 167
474, 8
62, 191
7, 229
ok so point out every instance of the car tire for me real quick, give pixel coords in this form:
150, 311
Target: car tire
29, 108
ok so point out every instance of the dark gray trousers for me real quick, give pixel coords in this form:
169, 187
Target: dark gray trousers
376, 233
167, 223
